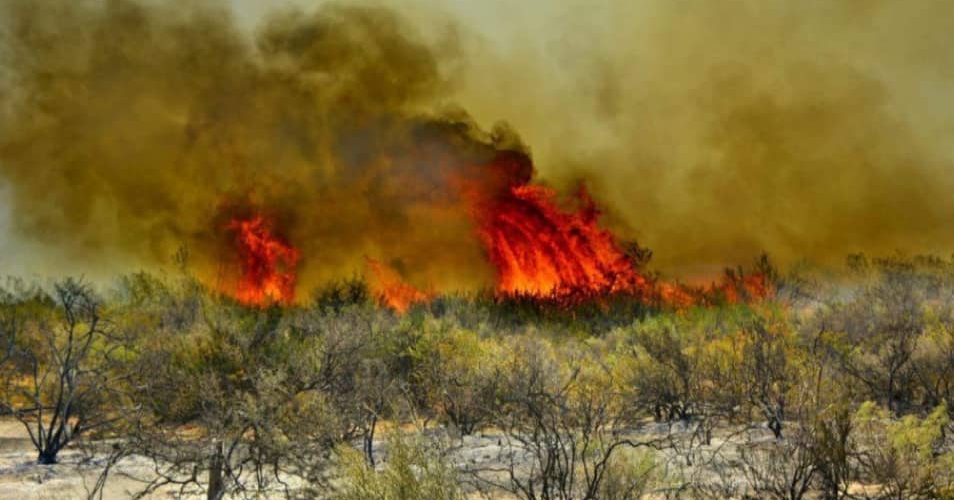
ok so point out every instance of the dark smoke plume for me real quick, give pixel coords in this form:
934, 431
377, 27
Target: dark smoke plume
134, 129
711, 130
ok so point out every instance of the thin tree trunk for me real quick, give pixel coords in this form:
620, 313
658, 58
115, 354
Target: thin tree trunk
369, 441
216, 487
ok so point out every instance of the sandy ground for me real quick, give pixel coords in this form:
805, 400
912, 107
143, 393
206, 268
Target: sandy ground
21, 478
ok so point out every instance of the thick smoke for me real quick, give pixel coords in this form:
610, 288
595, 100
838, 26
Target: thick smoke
717, 129
135, 129
713, 130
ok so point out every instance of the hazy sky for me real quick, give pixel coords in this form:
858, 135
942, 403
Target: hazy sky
709, 130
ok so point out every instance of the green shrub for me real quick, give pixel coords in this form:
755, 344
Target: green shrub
412, 470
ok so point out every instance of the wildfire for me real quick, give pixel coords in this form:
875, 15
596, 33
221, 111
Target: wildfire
391, 290
732, 289
539, 250
269, 263
740, 288
543, 252
676, 295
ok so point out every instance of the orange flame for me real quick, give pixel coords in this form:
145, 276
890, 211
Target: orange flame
269, 263
678, 296
745, 288
391, 290
734, 288
541, 251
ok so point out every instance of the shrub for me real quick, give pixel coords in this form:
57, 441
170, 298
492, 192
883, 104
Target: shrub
413, 469
903, 458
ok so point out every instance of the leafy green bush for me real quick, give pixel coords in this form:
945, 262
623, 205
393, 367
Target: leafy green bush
412, 470
904, 457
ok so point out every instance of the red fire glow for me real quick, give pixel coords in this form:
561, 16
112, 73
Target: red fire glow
541, 251
538, 249
743, 288
269, 263
391, 290
733, 288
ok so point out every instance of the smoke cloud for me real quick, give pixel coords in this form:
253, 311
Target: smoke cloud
711, 130
134, 129
716, 130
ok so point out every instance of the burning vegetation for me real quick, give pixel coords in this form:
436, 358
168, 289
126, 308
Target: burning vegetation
539, 250
351, 149
390, 290
268, 263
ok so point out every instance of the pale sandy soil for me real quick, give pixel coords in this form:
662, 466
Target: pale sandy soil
21, 478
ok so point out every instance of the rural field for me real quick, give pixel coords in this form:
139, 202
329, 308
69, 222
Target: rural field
448, 249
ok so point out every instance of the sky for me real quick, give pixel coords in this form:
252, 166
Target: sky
709, 131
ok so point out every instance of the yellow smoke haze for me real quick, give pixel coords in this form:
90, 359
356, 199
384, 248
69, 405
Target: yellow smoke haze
809, 129
709, 130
